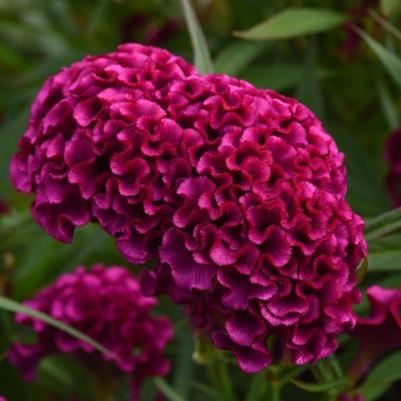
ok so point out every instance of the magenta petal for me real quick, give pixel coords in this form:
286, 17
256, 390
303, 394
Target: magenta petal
186, 272
250, 359
243, 328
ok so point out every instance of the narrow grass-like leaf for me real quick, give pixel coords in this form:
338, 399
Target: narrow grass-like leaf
390, 61
379, 226
386, 25
234, 58
15, 307
388, 106
167, 390
386, 260
293, 22
318, 387
202, 59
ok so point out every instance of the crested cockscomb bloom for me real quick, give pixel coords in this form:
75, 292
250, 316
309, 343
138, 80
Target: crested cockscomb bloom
108, 306
392, 155
237, 193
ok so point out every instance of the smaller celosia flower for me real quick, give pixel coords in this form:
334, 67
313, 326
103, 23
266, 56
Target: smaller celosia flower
384, 318
2, 399
107, 305
392, 155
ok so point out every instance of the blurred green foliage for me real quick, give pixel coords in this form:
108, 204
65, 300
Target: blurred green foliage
349, 77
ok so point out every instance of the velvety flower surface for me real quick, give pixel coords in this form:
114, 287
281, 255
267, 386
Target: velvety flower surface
107, 305
380, 332
238, 193
392, 154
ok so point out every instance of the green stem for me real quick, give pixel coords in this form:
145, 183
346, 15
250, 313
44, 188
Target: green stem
275, 392
219, 377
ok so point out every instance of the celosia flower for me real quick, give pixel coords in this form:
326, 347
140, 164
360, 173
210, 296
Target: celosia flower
107, 305
392, 154
384, 319
237, 192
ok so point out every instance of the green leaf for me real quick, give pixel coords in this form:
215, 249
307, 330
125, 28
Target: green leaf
278, 76
385, 24
389, 60
293, 22
387, 260
383, 224
309, 91
388, 7
388, 106
15, 307
319, 387
380, 378
202, 59
234, 58
257, 387
167, 390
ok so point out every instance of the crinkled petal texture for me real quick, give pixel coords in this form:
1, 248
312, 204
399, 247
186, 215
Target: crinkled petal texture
380, 332
108, 306
237, 192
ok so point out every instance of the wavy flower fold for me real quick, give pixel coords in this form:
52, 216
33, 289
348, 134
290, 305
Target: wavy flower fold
237, 192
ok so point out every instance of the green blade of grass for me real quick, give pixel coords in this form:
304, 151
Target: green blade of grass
167, 390
383, 224
390, 61
202, 59
15, 307
293, 22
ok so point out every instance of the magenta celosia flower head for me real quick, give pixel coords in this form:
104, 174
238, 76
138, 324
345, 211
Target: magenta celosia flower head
380, 332
108, 306
237, 192
392, 155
